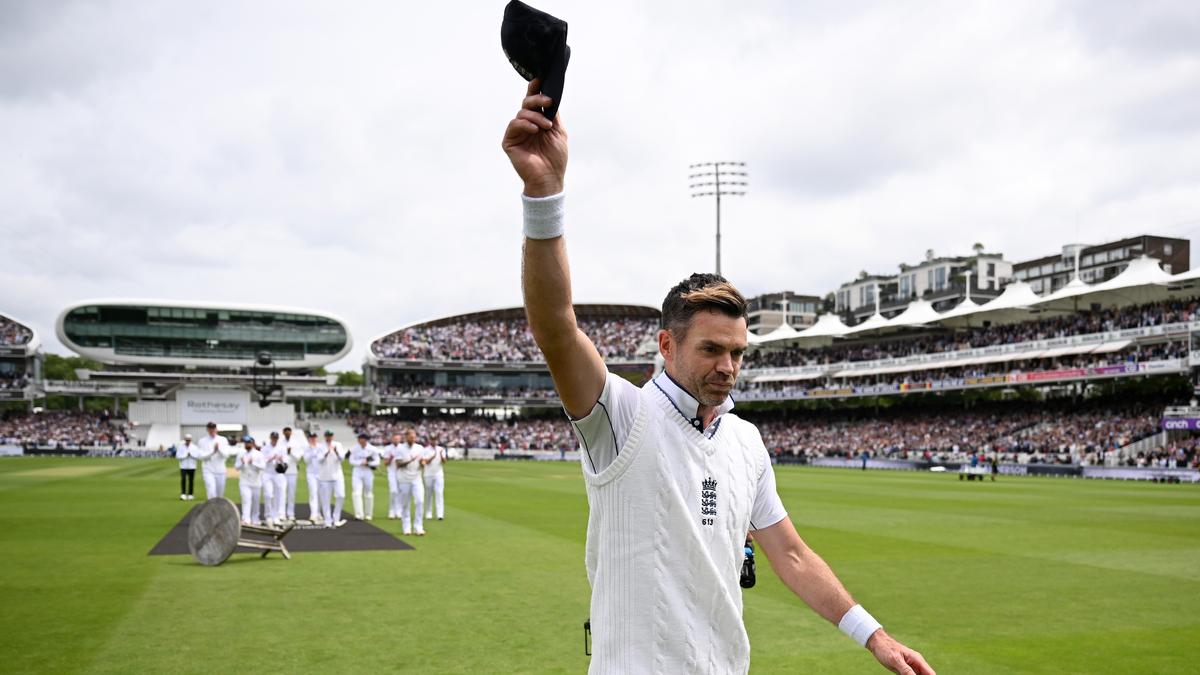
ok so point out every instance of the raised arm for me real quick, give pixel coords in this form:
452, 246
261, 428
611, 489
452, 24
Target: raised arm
537, 149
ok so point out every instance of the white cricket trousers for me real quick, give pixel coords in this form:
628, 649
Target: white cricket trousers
333, 493
279, 486
362, 486
267, 498
412, 493
214, 485
314, 494
393, 495
250, 496
435, 493
289, 505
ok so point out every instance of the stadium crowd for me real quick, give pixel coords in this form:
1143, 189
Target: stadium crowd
1081, 323
62, 429
1012, 432
506, 341
13, 380
449, 391
13, 334
1140, 353
474, 432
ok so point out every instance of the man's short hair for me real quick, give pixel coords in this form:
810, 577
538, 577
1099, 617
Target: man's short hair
696, 293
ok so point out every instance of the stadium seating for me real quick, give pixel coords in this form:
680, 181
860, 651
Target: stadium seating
13, 334
506, 340
67, 429
1081, 323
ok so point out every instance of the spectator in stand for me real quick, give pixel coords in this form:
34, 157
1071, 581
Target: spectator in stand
62, 429
1081, 323
507, 340
1017, 433
13, 334
752, 390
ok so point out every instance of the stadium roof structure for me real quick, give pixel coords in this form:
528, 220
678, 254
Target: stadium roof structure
918, 313
874, 322
1013, 304
28, 347
176, 333
582, 311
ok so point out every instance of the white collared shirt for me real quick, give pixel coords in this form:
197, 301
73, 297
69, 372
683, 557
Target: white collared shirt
252, 465
213, 451
187, 452
330, 456
603, 432
412, 470
364, 456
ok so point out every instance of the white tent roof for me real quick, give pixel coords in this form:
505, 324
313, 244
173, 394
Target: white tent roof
967, 306
1073, 288
1016, 295
827, 325
1190, 275
917, 313
875, 321
1142, 270
782, 332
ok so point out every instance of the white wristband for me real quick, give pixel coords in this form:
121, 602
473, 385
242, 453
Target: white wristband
544, 216
859, 625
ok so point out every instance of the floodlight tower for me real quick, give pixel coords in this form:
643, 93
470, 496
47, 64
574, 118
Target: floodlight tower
718, 179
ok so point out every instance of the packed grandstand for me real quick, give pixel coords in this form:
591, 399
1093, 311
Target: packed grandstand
508, 339
478, 381
12, 333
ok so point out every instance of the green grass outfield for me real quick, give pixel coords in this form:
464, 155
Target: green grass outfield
1024, 575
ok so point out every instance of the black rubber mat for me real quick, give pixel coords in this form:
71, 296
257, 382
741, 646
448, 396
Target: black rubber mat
355, 535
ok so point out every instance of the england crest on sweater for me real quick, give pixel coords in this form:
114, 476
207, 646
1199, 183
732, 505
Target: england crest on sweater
708, 501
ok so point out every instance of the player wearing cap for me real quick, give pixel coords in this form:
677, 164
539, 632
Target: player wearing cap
333, 481
435, 479
364, 458
213, 452
674, 479
187, 452
252, 464
407, 459
293, 449
274, 483
312, 476
389, 460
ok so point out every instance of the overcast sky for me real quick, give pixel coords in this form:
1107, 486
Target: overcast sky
345, 156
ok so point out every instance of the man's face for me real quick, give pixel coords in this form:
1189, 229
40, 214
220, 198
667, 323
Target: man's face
396, 439
708, 358
287, 434
410, 436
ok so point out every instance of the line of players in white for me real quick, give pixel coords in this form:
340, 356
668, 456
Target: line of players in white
269, 473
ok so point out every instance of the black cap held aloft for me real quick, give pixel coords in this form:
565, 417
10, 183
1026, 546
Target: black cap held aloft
536, 45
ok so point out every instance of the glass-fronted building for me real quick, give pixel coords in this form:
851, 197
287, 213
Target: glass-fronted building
173, 333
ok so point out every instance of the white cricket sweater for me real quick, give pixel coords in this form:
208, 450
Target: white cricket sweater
667, 523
